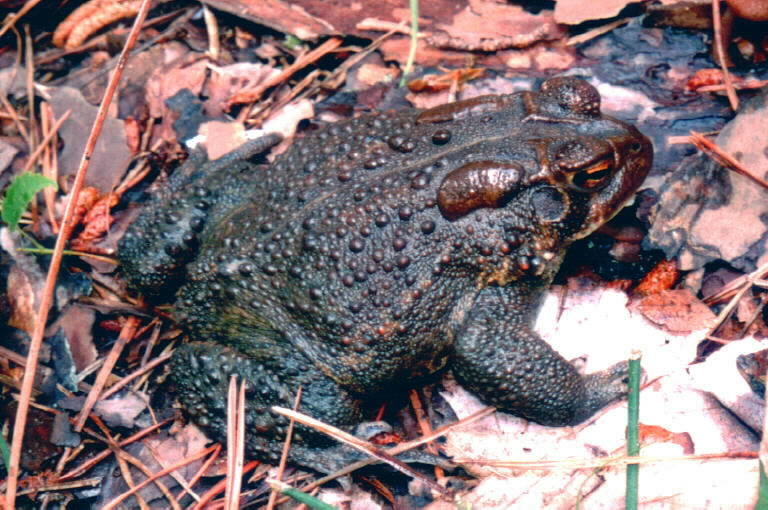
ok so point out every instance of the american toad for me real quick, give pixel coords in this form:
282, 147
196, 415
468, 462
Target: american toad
380, 250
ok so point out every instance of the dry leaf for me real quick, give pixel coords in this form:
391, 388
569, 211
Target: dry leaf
573, 12
110, 156
706, 212
676, 311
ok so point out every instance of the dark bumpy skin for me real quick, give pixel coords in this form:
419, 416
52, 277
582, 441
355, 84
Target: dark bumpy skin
383, 249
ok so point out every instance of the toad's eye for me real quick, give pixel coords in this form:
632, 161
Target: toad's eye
584, 163
594, 177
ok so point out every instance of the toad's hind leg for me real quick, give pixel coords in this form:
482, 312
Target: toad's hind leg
167, 234
499, 357
202, 371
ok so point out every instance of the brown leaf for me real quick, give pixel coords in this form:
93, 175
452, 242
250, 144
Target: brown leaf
287, 17
229, 81
111, 155
166, 81
7, 153
656, 434
77, 323
25, 283
221, 137
676, 311
121, 411
491, 26
573, 12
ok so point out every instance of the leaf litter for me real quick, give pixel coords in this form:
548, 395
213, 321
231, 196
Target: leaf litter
180, 85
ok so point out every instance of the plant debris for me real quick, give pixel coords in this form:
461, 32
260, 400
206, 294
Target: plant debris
692, 251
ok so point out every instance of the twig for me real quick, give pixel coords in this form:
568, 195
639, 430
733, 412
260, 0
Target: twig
720, 156
122, 497
28, 6
602, 462
743, 284
284, 456
251, 96
79, 470
50, 281
426, 429
733, 99
212, 28
403, 447
126, 335
68, 486
361, 445
187, 489
49, 164
41, 146
16, 120
125, 380
235, 442
219, 488
745, 85
596, 32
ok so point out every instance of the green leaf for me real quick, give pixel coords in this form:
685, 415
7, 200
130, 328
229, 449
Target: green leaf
292, 42
20, 193
306, 499
5, 452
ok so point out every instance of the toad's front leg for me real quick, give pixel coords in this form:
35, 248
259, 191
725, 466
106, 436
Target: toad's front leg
499, 357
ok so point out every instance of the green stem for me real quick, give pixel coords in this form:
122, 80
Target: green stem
414, 4
633, 443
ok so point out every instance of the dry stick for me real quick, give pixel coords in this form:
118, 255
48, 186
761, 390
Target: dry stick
745, 85
125, 380
402, 447
49, 165
125, 471
126, 335
300, 62
361, 445
720, 52
284, 455
732, 287
425, 427
33, 157
115, 503
81, 469
29, 50
746, 282
30, 84
146, 471
205, 500
50, 281
156, 328
715, 152
596, 32
61, 487
604, 462
212, 28
235, 442
188, 488
14, 116
16, 17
